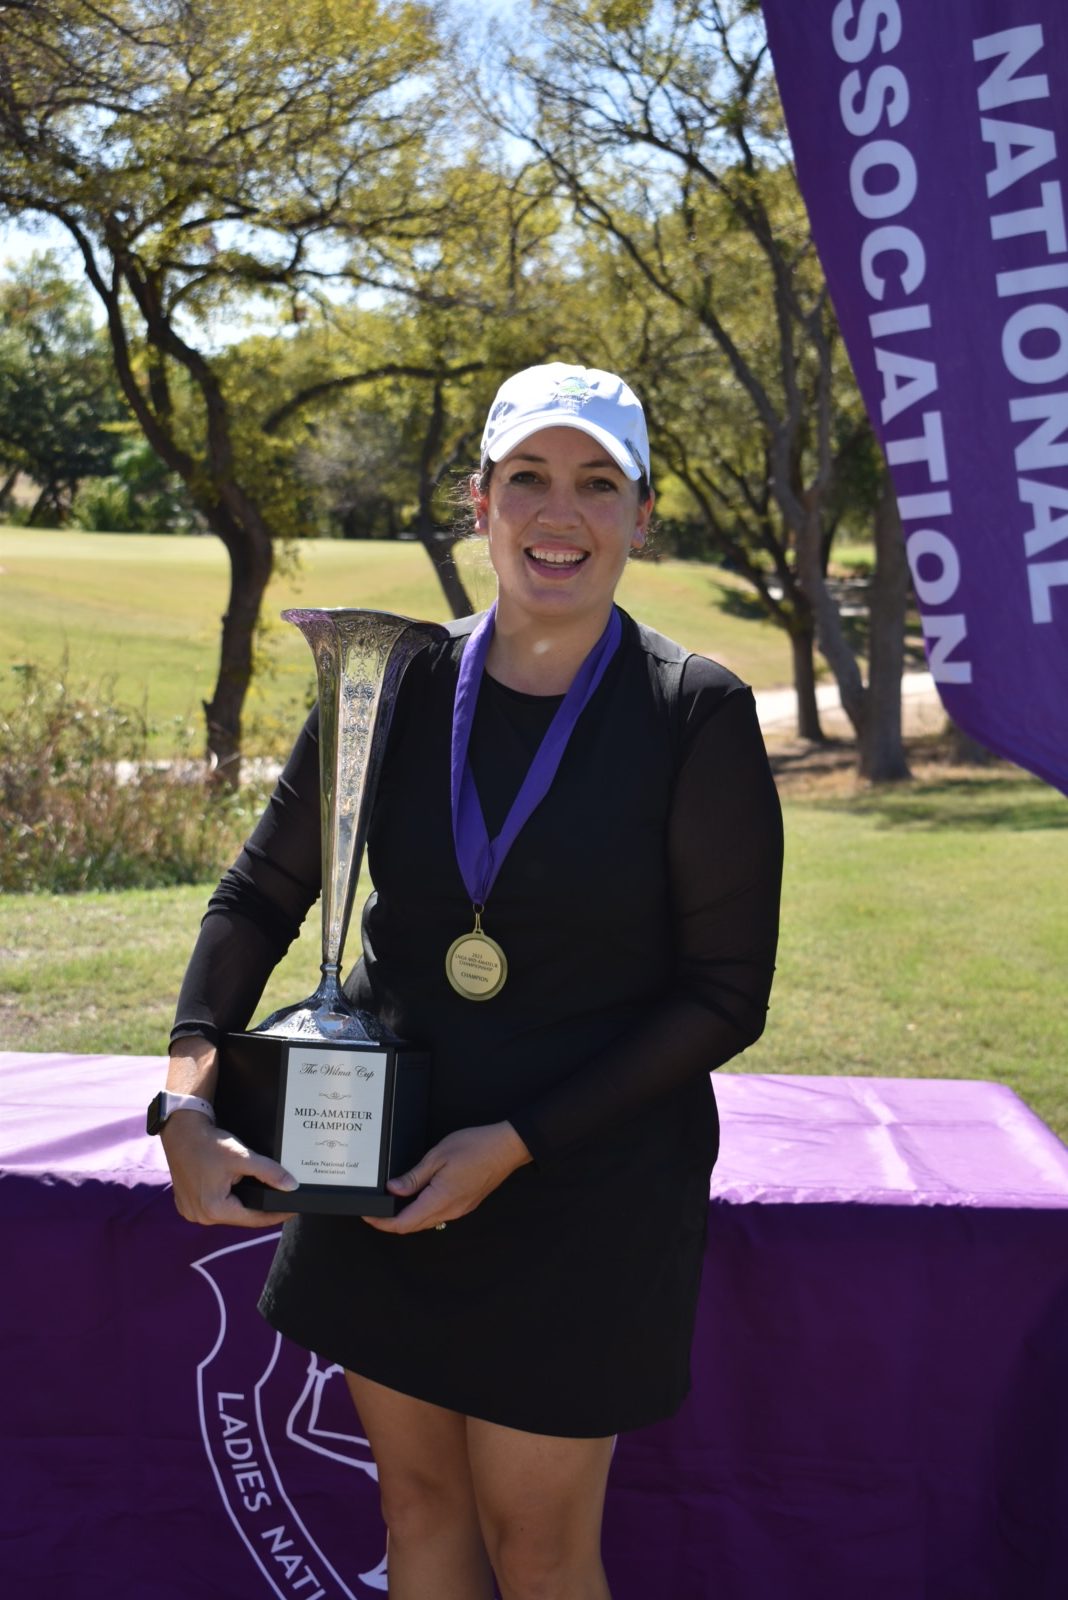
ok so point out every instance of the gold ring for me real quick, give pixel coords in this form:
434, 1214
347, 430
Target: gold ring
438, 1226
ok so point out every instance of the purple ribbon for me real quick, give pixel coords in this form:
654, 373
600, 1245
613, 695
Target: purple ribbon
478, 857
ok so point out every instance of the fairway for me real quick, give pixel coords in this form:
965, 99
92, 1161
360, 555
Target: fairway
137, 616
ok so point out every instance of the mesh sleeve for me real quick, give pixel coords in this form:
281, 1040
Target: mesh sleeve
257, 910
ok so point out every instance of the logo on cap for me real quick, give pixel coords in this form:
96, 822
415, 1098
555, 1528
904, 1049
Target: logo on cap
572, 393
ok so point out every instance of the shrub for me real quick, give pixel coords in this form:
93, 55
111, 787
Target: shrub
81, 807
140, 496
103, 505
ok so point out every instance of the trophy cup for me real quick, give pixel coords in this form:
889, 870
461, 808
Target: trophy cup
321, 1086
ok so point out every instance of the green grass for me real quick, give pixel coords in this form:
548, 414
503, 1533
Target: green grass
924, 935
140, 614
99, 972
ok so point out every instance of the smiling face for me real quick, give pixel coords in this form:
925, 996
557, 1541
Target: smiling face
561, 518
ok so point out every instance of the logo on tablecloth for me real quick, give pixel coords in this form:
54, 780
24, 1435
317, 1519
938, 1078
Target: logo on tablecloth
280, 1433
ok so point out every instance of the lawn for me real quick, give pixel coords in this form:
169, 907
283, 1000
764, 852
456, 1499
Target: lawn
924, 934
136, 616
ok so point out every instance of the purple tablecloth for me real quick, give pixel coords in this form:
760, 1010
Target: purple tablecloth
880, 1401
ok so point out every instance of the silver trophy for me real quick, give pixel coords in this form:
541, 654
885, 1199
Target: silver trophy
321, 1086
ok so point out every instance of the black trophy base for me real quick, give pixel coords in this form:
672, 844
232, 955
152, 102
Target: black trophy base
344, 1117
319, 1200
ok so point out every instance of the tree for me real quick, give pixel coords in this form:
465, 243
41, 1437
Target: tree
59, 402
660, 123
198, 152
393, 407
700, 433
368, 434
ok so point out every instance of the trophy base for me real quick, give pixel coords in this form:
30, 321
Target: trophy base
318, 1201
343, 1116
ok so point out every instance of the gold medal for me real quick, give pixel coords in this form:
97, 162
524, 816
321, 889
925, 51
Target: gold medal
476, 966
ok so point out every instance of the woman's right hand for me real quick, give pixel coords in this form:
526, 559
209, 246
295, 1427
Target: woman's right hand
206, 1162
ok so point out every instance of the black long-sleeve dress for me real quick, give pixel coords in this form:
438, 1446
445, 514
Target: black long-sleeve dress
639, 911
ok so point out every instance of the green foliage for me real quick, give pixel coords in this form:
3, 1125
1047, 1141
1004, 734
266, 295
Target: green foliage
615, 190
215, 136
103, 505
210, 160
82, 808
662, 127
141, 496
618, 15
59, 402
387, 399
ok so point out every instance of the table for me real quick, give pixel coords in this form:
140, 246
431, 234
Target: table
880, 1399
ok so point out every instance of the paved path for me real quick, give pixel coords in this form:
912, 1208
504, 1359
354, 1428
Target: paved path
777, 708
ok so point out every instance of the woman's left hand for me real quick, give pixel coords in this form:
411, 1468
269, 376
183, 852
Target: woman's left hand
454, 1177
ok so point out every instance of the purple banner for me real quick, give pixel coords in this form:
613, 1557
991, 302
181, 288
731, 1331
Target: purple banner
931, 143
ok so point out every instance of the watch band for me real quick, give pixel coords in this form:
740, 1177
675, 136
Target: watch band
166, 1103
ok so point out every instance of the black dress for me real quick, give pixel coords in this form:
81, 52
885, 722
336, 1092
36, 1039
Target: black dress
638, 910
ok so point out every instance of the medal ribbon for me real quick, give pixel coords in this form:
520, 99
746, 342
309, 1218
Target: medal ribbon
479, 858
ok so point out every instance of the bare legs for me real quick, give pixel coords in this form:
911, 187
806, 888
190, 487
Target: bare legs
428, 1502
454, 1488
540, 1501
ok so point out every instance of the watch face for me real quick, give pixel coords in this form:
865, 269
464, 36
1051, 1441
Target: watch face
155, 1120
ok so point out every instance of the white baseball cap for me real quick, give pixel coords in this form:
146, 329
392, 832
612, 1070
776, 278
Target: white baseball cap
561, 396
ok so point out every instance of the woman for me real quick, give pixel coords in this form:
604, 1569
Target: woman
537, 1293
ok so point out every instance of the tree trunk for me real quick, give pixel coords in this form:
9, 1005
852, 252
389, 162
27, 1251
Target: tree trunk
802, 644
251, 560
832, 641
965, 751
38, 505
439, 548
880, 748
